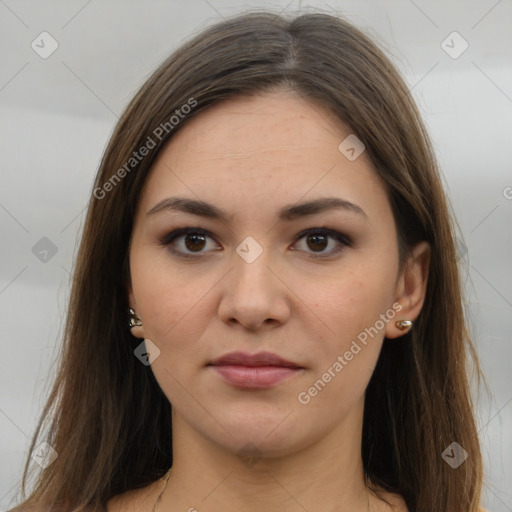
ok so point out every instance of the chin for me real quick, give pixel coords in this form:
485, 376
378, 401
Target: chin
271, 434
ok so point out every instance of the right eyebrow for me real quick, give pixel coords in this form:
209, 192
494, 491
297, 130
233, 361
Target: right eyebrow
287, 213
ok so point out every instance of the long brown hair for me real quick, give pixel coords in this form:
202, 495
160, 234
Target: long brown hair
108, 419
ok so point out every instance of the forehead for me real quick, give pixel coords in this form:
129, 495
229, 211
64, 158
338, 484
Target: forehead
275, 147
259, 125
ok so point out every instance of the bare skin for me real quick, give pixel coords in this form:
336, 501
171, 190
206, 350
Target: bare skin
143, 500
299, 299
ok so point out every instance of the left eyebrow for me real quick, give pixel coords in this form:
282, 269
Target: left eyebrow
287, 213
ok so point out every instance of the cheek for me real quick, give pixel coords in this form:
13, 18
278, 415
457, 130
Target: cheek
355, 308
350, 303
172, 300
169, 304
345, 358
175, 311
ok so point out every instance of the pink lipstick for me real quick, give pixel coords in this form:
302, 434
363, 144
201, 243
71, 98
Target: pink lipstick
254, 371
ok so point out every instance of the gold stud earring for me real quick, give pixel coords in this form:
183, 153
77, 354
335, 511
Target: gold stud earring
403, 325
135, 321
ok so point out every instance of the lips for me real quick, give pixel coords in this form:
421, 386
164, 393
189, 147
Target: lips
254, 371
259, 359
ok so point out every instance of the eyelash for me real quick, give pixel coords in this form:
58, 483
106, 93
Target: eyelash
343, 240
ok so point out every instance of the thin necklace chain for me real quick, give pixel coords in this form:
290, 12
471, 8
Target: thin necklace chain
168, 475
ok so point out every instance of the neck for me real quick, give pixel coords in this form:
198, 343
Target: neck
326, 475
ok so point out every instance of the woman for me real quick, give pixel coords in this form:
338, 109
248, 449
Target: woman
269, 218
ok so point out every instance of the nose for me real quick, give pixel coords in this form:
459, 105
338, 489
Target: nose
254, 295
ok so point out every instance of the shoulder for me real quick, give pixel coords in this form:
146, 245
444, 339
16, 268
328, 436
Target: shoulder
398, 503
41, 507
31, 507
385, 501
136, 500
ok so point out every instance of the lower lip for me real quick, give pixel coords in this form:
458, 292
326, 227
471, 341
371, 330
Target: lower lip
255, 377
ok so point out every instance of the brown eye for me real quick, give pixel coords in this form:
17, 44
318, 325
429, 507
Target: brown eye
194, 241
187, 242
317, 240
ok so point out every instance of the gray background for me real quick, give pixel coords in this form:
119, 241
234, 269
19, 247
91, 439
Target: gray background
57, 114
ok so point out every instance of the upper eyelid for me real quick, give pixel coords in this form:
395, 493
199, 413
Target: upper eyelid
197, 230
329, 232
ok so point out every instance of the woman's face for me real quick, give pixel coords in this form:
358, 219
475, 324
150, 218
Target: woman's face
252, 281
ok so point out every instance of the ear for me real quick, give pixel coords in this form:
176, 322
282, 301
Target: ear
411, 288
137, 331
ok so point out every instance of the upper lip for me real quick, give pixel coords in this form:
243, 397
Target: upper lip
258, 359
